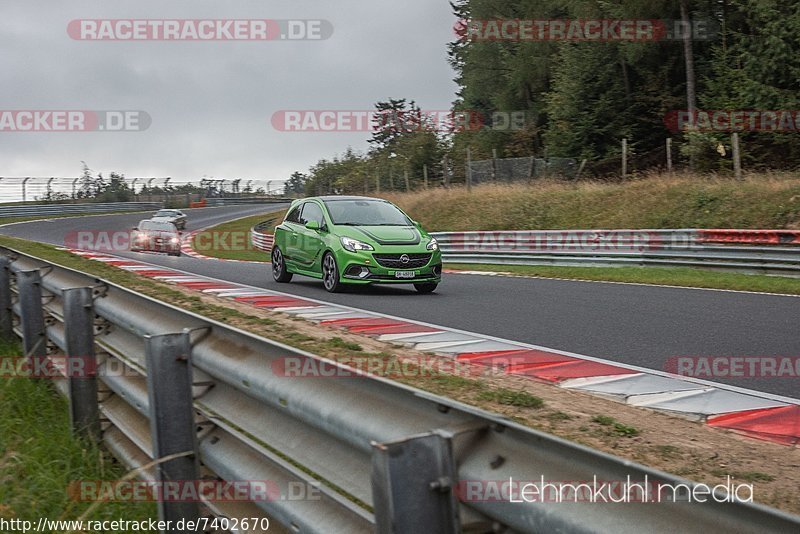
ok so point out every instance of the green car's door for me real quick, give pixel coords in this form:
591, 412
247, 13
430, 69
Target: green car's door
311, 244
293, 235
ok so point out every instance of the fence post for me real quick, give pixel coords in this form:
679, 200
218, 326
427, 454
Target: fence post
377, 183
425, 174
469, 169
580, 169
445, 171
531, 169
34, 337
6, 315
624, 157
172, 426
494, 164
81, 361
416, 474
669, 155
24, 190
737, 156
405, 176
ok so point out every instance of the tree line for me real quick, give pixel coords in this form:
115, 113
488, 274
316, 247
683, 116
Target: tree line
581, 98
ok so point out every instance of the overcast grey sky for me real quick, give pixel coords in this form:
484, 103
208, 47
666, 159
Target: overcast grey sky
211, 102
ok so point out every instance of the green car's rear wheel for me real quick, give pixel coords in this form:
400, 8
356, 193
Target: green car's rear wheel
330, 274
429, 287
279, 272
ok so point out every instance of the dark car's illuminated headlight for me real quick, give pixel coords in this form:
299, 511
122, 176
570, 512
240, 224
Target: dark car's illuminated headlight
354, 245
433, 245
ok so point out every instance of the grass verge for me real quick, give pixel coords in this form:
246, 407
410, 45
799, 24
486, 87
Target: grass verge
652, 201
231, 240
40, 457
667, 276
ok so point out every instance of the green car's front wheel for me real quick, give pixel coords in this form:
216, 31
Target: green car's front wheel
330, 274
279, 271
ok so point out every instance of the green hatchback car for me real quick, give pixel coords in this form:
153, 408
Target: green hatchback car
354, 240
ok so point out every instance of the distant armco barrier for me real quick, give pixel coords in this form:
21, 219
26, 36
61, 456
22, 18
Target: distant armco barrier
754, 251
777, 251
750, 237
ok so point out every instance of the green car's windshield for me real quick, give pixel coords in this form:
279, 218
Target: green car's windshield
366, 213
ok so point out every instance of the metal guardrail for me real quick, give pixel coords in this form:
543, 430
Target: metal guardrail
261, 239
382, 456
771, 251
233, 201
614, 248
89, 207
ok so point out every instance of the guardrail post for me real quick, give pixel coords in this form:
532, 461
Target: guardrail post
81, 361
34, 336
6, 315
413, 485
172, 426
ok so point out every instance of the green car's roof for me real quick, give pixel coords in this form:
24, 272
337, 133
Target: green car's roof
334, 198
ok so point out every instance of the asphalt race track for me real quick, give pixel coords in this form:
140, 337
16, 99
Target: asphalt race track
634, 324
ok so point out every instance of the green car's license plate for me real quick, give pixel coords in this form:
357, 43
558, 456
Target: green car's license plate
405, 274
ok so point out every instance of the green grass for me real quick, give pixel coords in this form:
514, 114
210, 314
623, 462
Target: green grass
616, 427
40, 457
668, 276
510, 397
235, 245
339, 343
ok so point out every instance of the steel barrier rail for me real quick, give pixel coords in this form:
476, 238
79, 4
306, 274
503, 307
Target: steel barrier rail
260, 239
383, 456
234, 201
753, 237
613, 248
88, 207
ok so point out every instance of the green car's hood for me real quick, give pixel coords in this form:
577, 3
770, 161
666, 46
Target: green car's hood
383, 235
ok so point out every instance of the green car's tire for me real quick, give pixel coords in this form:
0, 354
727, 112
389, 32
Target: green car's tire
426, 287
330, 274
279, 271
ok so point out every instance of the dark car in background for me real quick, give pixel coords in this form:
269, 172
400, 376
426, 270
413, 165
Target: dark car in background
176, 217
156, 236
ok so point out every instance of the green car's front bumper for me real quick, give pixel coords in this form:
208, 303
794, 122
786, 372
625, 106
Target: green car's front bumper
372, 267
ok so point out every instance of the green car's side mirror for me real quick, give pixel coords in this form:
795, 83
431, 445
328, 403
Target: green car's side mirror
312, 225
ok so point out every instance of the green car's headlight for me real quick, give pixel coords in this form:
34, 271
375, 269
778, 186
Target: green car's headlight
433, 245
353, 245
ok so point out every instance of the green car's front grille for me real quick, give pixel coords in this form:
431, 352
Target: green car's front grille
403, 261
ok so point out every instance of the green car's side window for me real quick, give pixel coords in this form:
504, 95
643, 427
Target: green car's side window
294, 215
312, 212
